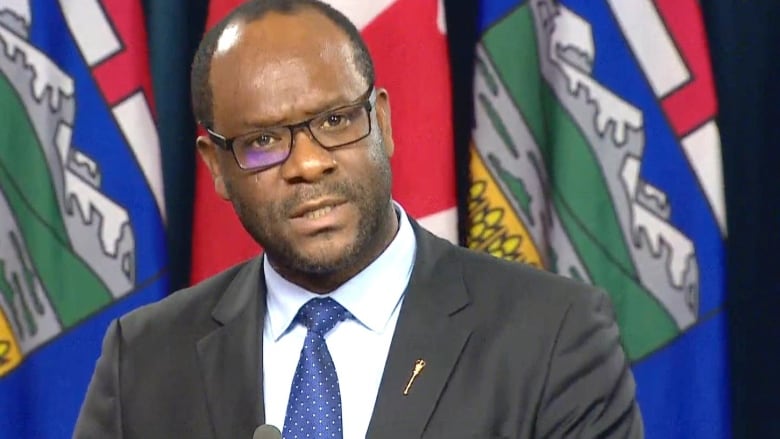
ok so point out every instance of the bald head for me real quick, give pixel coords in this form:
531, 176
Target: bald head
229, 32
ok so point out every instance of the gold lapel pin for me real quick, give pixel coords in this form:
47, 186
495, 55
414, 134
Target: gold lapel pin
418, 367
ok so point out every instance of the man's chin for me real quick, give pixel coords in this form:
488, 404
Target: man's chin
321, 264
334, 254
312, 256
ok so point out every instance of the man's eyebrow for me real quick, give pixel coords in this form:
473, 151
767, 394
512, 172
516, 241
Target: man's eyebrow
333, 104
255, 124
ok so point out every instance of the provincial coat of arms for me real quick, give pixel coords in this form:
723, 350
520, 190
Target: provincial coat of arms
80, 197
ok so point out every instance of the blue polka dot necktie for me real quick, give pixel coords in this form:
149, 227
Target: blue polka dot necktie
314, 408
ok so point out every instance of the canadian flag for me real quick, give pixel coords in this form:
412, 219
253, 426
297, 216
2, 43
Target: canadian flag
407, 40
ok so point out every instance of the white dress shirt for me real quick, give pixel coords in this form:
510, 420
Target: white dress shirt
358, 346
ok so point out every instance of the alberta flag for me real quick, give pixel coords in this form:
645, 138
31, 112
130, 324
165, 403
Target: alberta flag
81, 204
596, 155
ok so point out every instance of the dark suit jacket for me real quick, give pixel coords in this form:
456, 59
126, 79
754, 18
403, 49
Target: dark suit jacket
510, 351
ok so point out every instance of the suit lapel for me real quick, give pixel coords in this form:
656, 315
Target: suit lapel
434, 325
231, 354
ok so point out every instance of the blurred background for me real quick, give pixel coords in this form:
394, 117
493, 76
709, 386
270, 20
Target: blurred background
506, 129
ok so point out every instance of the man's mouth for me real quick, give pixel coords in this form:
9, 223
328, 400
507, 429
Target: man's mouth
314, 214
312, 218
317, 208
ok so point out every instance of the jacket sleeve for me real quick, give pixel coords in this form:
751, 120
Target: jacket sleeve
100, 415
589, 391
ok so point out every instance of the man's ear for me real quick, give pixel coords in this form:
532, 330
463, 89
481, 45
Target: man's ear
383, 117
209, 152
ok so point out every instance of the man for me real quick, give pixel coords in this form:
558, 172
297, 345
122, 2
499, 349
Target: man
355, 322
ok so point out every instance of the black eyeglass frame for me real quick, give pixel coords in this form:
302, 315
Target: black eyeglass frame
367, 100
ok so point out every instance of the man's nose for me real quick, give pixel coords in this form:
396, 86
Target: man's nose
308, 160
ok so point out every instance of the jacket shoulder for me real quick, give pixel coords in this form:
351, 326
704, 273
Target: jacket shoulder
187, 309
492, 279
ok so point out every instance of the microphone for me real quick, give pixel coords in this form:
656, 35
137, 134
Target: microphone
267, 432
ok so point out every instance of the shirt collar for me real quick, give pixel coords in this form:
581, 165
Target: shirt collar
371, 296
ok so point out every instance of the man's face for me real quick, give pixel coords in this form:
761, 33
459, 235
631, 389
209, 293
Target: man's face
320, 211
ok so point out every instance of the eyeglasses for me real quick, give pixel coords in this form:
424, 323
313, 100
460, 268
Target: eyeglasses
268, 147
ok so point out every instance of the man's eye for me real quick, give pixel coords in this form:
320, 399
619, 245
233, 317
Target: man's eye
263, 141
334, 121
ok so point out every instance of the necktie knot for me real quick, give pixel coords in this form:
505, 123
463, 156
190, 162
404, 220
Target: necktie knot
321, 315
